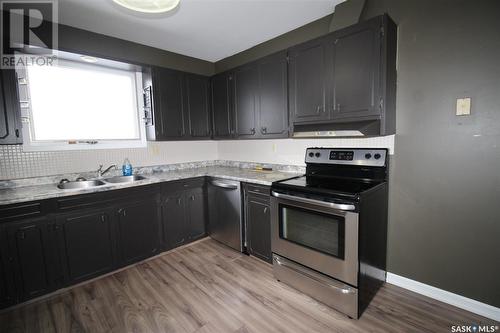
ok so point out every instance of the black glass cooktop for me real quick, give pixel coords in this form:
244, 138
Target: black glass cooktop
340, 186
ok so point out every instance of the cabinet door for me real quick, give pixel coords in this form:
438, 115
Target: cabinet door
246, 101
7, 292
174, 220
10, 125
273, 96
258, 220
221, 105
356, 71
168, 104
197, 107
196, 213
307, 82
138, 230
87, 242
30, 245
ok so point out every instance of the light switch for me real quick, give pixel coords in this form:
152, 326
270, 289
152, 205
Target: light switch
463, 106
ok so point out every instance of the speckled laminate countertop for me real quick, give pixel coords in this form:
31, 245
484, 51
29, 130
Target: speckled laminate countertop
47, 191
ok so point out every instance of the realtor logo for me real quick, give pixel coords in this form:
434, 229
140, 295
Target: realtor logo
29, 32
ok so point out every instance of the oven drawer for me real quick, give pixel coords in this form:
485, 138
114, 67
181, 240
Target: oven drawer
331, 292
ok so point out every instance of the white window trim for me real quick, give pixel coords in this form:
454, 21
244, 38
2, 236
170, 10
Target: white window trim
30, 145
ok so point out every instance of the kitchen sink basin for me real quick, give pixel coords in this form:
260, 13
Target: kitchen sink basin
124, 179
80, 184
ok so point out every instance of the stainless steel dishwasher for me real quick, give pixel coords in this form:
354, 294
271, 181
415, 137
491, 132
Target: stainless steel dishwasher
224, 209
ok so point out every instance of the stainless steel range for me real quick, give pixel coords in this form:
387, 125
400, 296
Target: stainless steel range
329, 227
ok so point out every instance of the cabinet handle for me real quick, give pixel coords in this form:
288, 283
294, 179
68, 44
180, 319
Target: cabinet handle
263, 130
17, 133
179, 201
337, 107
124, 212
192, 198
265, 210
103, 218
252, 130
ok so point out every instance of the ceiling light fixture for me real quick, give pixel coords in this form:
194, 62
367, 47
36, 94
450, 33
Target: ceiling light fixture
149, 6
88, 58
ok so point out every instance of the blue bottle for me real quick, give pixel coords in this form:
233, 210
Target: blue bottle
127, 168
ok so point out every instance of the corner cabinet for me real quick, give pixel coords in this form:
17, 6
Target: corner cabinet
10, 121
346, 80
222, 111
181, 106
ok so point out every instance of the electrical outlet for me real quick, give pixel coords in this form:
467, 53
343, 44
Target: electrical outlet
463, 106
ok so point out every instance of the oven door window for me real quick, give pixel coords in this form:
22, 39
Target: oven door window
314, 230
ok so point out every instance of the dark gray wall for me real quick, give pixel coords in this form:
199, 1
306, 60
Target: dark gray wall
444, 227
309, 31
83, 41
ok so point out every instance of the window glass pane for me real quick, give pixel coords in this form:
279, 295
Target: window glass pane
320, 232
82, 102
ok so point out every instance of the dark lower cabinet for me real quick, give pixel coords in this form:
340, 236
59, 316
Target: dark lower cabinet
86, 243
258, 222
174, 222
7, 292
195, 204
183, 212
138, 226
35, 261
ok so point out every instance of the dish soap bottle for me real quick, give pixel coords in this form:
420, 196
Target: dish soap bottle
127, 168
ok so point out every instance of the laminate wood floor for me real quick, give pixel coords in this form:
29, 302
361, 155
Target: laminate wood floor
207, 287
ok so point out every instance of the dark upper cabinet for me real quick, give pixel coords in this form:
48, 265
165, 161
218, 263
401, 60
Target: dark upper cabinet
222, 105
174, 221
308, 65
181, 105
138, 229
197, 108
273, 96
168, 103
10, 122
258, 221
86, 242
246, 103
35, 261
355, 69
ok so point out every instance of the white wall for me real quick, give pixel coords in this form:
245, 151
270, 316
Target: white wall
291, 151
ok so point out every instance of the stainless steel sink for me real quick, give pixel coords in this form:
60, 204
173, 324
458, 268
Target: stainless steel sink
80, 184
124, 179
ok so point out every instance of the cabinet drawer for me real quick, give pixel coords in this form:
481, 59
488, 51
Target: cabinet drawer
23, 210
258, 189
179, 185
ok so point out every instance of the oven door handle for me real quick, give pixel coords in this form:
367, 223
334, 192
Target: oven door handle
298, 269
313, 202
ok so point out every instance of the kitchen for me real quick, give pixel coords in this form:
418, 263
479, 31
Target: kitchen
332, 170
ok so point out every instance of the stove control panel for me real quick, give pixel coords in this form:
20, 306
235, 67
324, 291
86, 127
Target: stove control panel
349, 156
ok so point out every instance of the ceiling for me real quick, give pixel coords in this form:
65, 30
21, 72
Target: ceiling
206, 29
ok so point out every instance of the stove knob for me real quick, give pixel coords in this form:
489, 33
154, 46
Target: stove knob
311, 154
377, 156
318, 154
368, 156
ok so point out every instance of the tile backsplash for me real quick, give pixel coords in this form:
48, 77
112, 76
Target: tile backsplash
15, 163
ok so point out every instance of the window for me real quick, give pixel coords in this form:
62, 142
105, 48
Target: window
76, 105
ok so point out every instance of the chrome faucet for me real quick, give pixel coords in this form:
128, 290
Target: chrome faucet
101, 172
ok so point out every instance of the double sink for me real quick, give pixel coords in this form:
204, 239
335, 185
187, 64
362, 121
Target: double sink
83, 184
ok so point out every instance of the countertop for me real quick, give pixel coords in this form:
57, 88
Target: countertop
47, 191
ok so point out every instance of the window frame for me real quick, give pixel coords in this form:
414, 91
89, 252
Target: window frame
30, 144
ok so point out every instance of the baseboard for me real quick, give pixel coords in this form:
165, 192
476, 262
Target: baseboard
444, 296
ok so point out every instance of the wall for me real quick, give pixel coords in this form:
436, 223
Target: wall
14, 163
444, 223
291, 151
